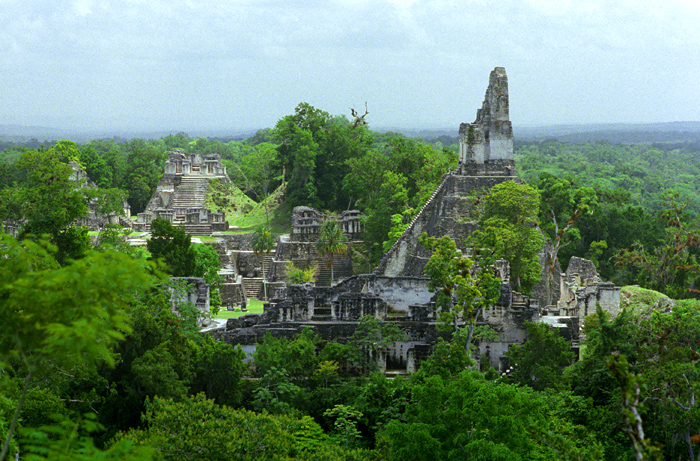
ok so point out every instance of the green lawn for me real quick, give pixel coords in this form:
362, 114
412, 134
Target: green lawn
254, 307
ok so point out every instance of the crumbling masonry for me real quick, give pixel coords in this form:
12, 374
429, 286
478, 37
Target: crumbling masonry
180, 196
397, 290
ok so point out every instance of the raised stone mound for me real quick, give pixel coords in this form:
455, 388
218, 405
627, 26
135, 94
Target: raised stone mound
180, 196
486, 159
301, 250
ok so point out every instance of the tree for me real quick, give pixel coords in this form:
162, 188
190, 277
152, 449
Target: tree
172, 245
48, 201
468, 417
296, 275
345, 423
258, 173
464, 289
331, 241
62, 315
540, 362
562, 205
673, 266
507, 219
373, 337
207, 265
263, 242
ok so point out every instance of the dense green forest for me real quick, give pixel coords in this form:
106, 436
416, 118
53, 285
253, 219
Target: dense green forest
94, 365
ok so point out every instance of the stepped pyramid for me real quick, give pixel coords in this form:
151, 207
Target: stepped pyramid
485, 159
181, 194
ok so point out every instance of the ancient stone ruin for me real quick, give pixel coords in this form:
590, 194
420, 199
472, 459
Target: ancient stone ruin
486, 146
398, 291
193, 291
96, 220
180, 196
486, 152
243, 269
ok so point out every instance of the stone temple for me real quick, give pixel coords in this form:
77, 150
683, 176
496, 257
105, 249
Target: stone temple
485, 159
180, 196
397, 290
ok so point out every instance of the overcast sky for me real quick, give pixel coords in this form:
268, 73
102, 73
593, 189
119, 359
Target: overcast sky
234, 64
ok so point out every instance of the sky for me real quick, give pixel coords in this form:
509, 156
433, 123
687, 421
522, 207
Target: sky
244, 64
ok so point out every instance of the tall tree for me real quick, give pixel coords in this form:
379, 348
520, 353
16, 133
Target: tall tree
331, 241
673, 267
464, 289
562, 205
257, 174
47, 201
64, 316
507, 226
173, 245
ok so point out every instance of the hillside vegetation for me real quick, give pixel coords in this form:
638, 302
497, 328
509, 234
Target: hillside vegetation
95, 365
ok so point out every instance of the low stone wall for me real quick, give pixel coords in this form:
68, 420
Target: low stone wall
398, 292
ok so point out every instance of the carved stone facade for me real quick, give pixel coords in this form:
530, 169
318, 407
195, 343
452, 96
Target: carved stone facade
582, 289
180, 196
398, 291
486, 149
307, 222
486, 146
192, 290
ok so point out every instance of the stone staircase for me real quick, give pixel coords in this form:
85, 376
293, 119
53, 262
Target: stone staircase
191, 193
342, 267
252, 285
267, 262
322, 314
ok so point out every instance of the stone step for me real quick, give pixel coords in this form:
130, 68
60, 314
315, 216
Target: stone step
252, 286
321, 318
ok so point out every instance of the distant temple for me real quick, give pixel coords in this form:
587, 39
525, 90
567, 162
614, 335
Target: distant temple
181, 194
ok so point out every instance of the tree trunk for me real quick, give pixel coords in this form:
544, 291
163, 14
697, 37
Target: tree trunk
6, 446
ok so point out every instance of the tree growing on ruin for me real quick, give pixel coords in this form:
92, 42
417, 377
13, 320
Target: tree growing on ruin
562, 204
507, 218
464, 288
331, 242
263, 242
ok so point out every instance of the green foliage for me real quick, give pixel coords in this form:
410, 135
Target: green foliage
345, 424
540, 362
297, 356
64, 316
296, 275
673, 266
373, 336
68, 440
507, 228
463, 288
562, 205
470, 416
207, 265
219, 367
448, 358
48, 202
197, 428
172, 245
331, 241
259, 174
313, 149
643, 170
